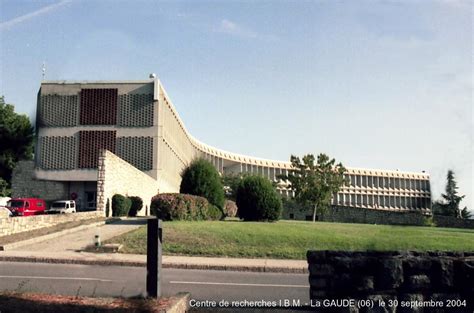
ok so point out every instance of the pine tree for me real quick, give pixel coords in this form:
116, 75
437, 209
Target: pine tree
451, 197
465, 213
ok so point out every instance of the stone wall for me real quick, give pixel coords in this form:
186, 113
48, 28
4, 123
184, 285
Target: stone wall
115, 176
25, 185
449, 221
442, 282
13, 225
371, 216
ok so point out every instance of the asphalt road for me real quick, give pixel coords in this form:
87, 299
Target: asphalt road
86, 280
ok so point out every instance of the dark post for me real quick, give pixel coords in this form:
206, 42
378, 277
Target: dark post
153, 258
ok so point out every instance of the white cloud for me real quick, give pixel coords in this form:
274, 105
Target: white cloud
20, 19
231, 28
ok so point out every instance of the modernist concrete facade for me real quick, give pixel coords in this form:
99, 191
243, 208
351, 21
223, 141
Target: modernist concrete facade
136, 121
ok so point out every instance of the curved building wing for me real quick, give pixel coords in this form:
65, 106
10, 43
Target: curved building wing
137, 122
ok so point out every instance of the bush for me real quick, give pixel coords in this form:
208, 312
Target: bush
120, 205
201, 178
230, 208
257, 200
175, 206
214, 213
137, 205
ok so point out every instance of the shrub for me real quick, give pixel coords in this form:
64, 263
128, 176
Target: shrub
137, 205
120, 205
257, 200
175, 206
230, 208
201, 178
214, 213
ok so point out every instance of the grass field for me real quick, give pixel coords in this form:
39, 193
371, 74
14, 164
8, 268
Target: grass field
291, 239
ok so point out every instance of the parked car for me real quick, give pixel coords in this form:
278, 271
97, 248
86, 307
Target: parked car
62, 206
26, 206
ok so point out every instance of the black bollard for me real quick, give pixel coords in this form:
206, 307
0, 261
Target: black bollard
153, 258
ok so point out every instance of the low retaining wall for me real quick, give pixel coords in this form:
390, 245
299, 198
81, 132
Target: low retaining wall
372, 216
449, 221
392, 281
14, 225
368, 216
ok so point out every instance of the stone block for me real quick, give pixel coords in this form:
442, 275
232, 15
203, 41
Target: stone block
318, 283
341, 285
412, 299
416, 265
389, 274
317, 294
418, 283
364, 284
442, 272
381, 303
321, 270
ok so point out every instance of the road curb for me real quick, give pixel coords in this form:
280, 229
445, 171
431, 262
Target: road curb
26, 242
238, 268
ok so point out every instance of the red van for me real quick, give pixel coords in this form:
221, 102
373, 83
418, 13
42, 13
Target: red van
26, 206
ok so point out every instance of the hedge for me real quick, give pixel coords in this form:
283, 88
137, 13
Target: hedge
120, 205
175, 206
137, 205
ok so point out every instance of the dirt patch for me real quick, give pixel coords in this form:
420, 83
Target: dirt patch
47, 230
33, 302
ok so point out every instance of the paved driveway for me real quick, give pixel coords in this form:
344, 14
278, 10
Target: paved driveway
82, 238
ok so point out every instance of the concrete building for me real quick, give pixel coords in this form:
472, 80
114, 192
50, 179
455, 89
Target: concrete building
79, 121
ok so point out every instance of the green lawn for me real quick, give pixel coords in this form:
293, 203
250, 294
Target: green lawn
291, 239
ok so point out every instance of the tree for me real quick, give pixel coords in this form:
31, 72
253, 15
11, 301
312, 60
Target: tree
465, 213
16, 139
201, 178
449, 204
313, 183
257, 200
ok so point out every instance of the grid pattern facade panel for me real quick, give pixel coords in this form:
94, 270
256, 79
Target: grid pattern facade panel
90, 142
57, 153
137, 151
136, 110
58, 111
99, 106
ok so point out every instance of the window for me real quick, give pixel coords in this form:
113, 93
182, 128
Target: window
392, 182
39, 204
91, 200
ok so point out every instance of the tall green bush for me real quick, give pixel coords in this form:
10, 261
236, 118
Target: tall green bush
174, 206
201, 178
120, 205
257, 200
137, 205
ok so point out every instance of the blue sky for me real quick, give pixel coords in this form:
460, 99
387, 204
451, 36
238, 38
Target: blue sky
375, 84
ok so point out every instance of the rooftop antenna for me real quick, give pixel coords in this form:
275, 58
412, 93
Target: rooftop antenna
43, 69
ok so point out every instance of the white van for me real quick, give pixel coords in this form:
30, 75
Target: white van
62, 206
